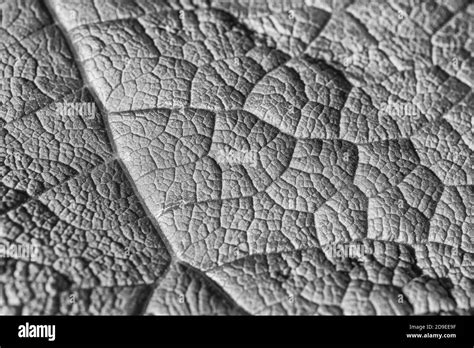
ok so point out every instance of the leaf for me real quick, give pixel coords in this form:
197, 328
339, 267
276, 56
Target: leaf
236, 157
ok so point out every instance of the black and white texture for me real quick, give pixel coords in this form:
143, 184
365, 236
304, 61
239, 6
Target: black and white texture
237, 157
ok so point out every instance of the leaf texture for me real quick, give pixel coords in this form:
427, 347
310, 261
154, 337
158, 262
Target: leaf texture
232, 158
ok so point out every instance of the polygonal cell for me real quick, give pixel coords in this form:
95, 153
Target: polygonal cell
298, 96
384, 164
